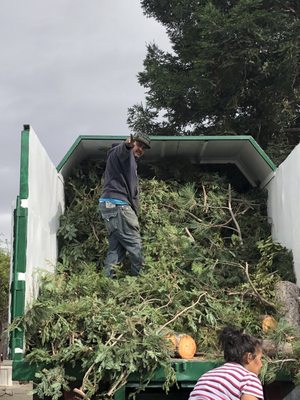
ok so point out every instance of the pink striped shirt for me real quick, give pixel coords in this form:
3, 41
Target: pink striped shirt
228, 382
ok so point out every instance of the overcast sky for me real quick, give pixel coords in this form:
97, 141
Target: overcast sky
68, 67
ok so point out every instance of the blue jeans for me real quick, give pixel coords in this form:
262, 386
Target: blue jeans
123, 236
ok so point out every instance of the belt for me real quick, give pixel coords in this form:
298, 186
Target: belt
109, 204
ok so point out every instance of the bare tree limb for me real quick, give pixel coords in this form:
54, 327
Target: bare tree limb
238, 229
119, 382
80, 391
189, 234
94, 232
205, 205
165, 305
266, 302
283, 361
181, 312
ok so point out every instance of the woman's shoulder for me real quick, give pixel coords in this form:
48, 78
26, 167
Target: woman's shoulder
235, 369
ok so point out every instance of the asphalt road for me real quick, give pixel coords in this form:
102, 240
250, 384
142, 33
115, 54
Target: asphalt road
16, 392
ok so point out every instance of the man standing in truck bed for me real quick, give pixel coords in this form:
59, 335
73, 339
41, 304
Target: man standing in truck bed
119, 203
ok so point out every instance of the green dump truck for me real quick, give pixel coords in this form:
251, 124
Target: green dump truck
41, 203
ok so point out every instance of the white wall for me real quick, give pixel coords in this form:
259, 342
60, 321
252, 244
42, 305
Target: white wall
45, 206
284, 206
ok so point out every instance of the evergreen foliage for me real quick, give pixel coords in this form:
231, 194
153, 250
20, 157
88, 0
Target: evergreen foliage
4, 285
210, 262
233, 69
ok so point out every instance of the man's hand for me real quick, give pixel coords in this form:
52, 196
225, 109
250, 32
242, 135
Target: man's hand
129, 142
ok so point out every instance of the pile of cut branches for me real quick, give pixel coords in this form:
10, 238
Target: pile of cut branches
210, 262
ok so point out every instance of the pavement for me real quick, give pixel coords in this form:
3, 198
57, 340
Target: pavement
17, 391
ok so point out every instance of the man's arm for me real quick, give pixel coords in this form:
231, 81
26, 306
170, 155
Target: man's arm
129, 143
123, 149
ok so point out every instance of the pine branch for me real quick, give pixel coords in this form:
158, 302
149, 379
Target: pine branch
119, 383
185, 211
201, 221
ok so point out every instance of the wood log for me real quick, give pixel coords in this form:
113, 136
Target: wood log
182, 345
287, 293
72, 395
268, 323
172, 342
79, 392
270, 348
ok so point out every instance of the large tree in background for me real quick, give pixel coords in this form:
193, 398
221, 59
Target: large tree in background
4, 292
234, 69
4, 284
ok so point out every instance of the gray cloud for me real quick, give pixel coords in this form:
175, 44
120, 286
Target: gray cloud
68, 67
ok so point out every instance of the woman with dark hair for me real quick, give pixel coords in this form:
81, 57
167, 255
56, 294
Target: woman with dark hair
237, 379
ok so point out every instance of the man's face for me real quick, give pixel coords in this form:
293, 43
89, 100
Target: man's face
138, 149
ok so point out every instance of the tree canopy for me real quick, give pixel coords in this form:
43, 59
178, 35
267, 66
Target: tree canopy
4, 285
233, 69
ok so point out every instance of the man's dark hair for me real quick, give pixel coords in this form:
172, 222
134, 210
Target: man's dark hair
236, 344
